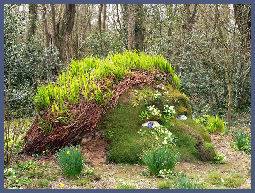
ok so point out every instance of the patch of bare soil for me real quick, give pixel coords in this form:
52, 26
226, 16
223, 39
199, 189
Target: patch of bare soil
94, 149
237, 162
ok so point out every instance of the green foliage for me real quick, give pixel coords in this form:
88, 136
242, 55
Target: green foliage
231, 180
122, 127
242, 141
219, 158
165, 184
183, 182
178, 180
161, 158
70, 161
26, 63
30, 174
14, 133
79, 78
234, 181
214, 124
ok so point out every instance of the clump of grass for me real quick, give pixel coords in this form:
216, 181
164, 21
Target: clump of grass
179, 180
183, 182
70, 161
234, 181
81, 77
231, 180
165, 184
242, 141
161, 158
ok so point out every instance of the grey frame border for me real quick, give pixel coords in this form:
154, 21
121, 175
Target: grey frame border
129, 2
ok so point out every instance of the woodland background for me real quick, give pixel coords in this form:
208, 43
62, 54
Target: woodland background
209, 45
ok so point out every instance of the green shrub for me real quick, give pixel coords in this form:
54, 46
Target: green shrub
219, 158
242, 141
214, 124
161, 158
70, 161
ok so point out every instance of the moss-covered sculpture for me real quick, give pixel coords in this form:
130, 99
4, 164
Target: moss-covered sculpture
107, 94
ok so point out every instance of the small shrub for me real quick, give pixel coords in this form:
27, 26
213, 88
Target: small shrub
214, 124
160, 158
242, 141
70, 161
219, 158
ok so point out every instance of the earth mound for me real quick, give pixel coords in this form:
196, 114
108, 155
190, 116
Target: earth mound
95, 94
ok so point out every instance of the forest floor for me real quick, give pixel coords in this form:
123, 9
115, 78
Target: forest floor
43, 172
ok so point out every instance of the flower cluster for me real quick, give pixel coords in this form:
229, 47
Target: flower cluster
169, 110
154, 111
157, 95
162, 135
151, 113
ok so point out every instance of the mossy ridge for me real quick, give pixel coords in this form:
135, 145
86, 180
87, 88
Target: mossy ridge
80, 79
121, 126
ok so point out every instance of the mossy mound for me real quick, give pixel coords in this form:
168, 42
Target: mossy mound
88, 92
73, 106
122, 124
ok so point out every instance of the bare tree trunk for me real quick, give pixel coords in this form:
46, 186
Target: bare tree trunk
99, 21
63, 31
227, 68
104, 17
131, 27
243, 20
45, 25
54, 25
135, 27
32, 20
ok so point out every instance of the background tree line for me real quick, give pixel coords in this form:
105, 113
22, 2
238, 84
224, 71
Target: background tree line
209, 45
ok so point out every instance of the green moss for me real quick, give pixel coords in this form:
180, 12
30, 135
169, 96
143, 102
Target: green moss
121, 126
188, 133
